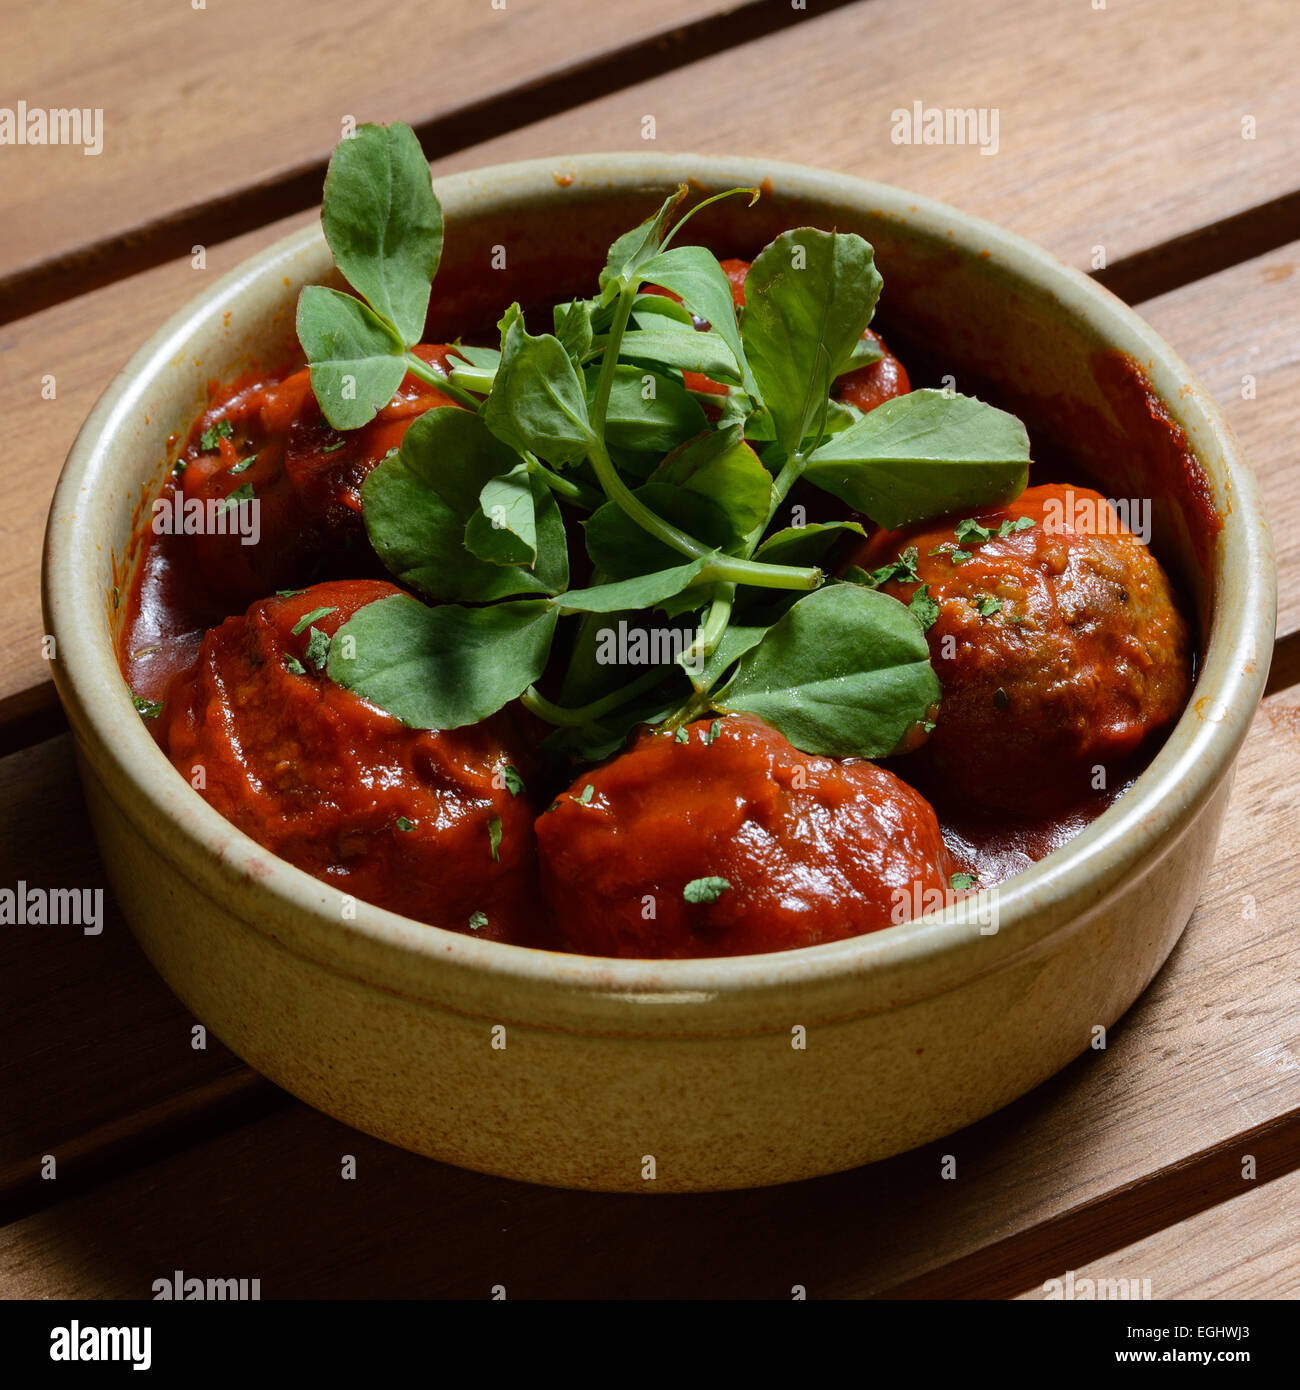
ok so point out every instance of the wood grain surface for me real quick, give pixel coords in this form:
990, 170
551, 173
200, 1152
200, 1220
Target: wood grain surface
1151, 142
218, 113
1243, 1248
1123, 1141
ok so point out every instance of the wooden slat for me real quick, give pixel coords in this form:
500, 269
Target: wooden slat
94, 1043
204, 106
1047, 181
1243, 1248
1119, 128
1118, 1145
1238, 331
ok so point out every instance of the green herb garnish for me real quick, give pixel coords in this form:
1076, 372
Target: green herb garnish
244, 493
923, 608
584, 796
494, 837
294, 666
405, 825
705, 890
970, 532
243, 465
212, 436
307, 619
477, 921
962, 881
514, 782
676, 512
317, 650
986, 605
150, 709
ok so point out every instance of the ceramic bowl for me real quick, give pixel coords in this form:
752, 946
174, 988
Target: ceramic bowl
653, 1076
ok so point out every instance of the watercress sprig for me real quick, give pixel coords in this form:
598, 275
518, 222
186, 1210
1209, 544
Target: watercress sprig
596, 430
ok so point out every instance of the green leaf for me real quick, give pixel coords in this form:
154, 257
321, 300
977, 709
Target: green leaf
573, 328
417, 504
924, 454
539, 402
504, 528
647, 411
736, 641
658, 311
357, 360
619, 547
805, 545
383, 223
844, 673
690, 351
719, 465
445, 667
809, 297
645, 591
866, 353
694, 273
634, 249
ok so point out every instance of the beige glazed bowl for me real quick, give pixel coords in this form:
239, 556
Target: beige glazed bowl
726, 1073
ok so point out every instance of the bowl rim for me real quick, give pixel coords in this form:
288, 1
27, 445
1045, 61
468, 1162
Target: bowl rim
389, 951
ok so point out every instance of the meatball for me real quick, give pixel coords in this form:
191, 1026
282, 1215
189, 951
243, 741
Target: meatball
1059, 645
423, 823
871, 386
730, 842
268, 441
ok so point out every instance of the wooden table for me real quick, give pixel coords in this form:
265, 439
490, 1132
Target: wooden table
1162, 131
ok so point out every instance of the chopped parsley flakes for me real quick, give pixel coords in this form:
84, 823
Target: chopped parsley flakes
705, 890
318, 649
923, 608
240, 494
212, 436
307, 619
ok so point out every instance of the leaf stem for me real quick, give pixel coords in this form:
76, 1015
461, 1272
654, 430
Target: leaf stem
418, 367
577, 493
534, 700
713, 627
723, 568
